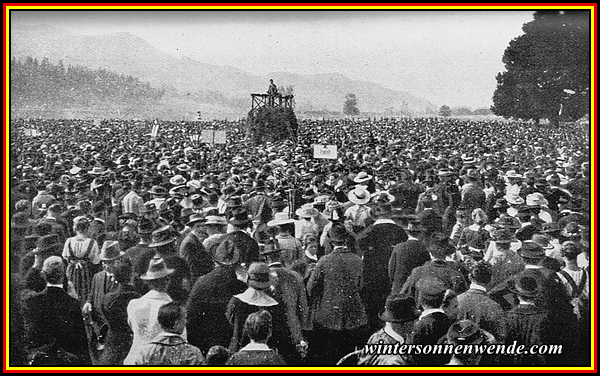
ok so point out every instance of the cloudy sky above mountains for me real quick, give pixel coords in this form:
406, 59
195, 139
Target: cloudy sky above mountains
449, 57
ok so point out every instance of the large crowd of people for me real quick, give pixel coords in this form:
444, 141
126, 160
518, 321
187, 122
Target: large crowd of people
129, 249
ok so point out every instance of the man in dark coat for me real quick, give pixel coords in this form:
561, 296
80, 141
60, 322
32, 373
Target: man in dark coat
407, 256
472, 195
114, 309
206, 322
97, 230
191, 249
289, 291
527, 323
140, 254
433, 323
244, 242
337, 311
103, 283
53, 322
375, 244
475, 305
438, 267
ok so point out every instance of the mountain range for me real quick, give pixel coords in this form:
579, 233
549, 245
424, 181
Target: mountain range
216, 90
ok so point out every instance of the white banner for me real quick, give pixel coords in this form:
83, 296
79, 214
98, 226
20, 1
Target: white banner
325, 151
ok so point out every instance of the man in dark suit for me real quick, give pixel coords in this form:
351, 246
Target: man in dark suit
472, 195
475, 305
375, 244
206, 322
527, 323
103, 283
244, 242
438, 267
140, 254
54, 329
289, 291
433, 323
407, 256
97, 230
337, 311
191, 249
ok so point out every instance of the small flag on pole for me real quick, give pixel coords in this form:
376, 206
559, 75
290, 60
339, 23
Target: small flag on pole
155, 130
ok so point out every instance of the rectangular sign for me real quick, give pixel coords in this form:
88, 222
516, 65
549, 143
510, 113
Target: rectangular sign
31, 132
325, 151
207, 136
220, 137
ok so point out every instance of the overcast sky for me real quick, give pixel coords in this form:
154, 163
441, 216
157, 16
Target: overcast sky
448, 57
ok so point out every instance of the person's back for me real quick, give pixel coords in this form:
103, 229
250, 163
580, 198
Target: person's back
207, 324
258, 326
54, 328
169, 348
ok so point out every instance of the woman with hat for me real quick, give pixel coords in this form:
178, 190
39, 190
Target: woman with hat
254, 299
359, 214
399, 316
83, 257
289, 246
305, 224
365, 180
142, 313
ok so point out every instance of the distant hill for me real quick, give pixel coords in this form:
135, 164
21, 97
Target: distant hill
191, 85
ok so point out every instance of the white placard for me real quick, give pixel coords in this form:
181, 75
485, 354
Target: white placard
31, 132
326, 151
220, 137
207, 136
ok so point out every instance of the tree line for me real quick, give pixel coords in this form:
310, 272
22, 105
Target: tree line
34, 82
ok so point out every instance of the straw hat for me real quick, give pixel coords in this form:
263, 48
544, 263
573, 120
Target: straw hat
362, 177
307, 211
359, 196
281, 218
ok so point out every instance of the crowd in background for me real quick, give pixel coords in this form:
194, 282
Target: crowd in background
132, 249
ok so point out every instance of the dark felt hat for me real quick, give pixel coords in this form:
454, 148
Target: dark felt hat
399, 308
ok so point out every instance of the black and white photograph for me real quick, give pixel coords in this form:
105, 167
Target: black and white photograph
381, 188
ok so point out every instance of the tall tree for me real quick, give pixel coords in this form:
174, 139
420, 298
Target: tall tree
547, 69
445, 111
351, 105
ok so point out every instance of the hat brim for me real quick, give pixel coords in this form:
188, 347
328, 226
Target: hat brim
104, 258
194, 221
157, 275
521, 292
216, 223
357, 201
275, 223
307, 213
163, 193
161, 243
388, 317
237, 222
362, 180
